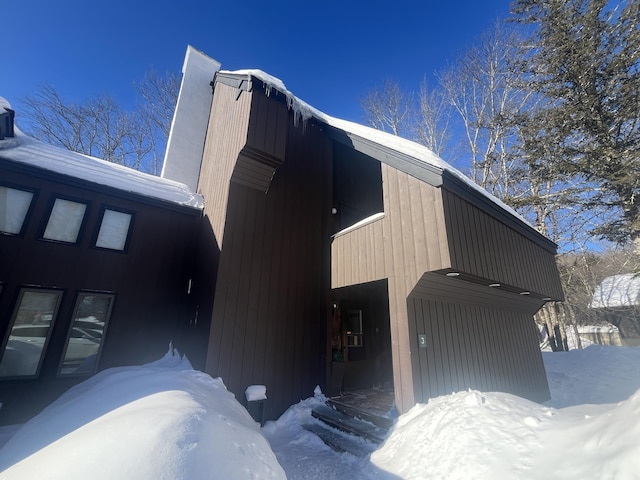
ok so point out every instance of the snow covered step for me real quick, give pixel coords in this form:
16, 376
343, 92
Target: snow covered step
382, 421
340, 441
349, 424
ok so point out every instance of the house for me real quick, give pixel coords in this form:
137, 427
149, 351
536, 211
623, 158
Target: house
312, 251
616, 300
96, 262
351, 258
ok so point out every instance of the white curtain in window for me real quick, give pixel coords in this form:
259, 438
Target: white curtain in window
113, 230
14, 205
65, 221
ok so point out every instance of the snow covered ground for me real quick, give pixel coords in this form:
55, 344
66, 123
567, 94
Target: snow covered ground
165, 420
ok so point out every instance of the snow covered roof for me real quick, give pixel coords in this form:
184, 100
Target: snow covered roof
29, 151
408, 156
617, 291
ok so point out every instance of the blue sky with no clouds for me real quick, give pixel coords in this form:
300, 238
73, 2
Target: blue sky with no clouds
329, 53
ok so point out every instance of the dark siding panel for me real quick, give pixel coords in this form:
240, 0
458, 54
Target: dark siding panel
478, 347
150, 279
270, 304
482, 246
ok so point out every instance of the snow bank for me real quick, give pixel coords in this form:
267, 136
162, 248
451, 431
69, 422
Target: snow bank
163, 420
497, 435
598, 374
474, 435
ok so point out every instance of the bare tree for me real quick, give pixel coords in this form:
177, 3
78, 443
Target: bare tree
102, 128
433, 119
388, 108
483, 88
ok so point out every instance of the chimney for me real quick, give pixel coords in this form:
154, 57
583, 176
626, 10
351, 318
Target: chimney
190, 120
6, 122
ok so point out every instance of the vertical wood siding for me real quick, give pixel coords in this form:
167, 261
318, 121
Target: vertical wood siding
269, 312
482, 246
358, 256
478, 347
226, 136
410, 240
426, 229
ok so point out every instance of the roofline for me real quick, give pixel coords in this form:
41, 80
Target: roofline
434, 176
69, 180
398, 160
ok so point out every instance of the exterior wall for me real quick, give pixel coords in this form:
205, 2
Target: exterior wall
226, 136
150, 280
479, 347
408, 241
428, 229
270, 307
477, 337
358, 256
488, 249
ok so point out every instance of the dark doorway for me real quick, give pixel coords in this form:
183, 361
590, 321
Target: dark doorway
360, 339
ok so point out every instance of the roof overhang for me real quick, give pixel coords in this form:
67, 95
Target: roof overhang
424, 171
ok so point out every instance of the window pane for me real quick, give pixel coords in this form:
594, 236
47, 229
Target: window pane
29, 333
65, 221
14, 205
113, 230
87, 332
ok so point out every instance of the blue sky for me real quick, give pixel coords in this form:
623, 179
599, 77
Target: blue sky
329, 53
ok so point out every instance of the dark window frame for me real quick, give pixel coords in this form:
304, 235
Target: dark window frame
47, 217
96, 232
70, 328
27, 218
16, 307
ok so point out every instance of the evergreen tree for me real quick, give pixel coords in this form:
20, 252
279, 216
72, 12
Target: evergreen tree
584, 62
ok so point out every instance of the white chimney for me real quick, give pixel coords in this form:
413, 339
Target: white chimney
190, 119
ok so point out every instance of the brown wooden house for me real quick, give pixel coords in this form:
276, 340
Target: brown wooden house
314, 251
96, 261
350, 258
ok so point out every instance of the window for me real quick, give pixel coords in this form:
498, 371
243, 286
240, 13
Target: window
29, 332
86, 333
354, 327
65, 221
14, 206
114, 230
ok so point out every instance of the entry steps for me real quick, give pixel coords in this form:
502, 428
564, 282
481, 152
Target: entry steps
347, 429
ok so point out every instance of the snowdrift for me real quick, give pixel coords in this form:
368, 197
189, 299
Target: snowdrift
498, 435
163, 420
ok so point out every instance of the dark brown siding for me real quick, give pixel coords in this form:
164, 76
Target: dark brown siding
479, 347
150, 281
488, 249
269, 313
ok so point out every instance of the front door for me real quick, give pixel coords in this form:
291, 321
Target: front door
349, 347
360, 338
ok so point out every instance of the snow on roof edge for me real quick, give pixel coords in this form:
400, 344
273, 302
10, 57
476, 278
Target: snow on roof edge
303, 111
29, 151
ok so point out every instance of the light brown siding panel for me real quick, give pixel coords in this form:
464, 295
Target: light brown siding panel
228, 124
